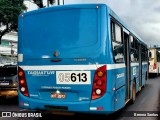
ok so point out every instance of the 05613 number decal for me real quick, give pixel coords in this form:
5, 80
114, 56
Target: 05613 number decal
73, 77
82, 77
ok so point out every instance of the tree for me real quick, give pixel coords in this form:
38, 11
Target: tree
9, 12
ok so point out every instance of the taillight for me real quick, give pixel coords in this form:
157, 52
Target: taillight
155, 66
99, 83
22, 82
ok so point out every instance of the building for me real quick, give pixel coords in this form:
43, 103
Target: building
8, 46
8, 49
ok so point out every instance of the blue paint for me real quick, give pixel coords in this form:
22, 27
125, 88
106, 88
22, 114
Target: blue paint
81, 35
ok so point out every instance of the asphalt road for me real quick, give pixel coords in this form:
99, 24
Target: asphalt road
146, 100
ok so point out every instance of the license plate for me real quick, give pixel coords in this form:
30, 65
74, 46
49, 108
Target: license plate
4, 83
58, 95
73, 77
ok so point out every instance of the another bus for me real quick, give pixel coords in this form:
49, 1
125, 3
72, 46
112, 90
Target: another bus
78, 58
154, 62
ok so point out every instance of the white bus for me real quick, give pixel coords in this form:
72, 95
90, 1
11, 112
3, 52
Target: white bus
154, 61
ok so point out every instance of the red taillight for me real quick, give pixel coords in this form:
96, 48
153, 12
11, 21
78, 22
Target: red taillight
99, 83
155, 66
22, 82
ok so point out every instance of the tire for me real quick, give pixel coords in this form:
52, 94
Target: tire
133, 93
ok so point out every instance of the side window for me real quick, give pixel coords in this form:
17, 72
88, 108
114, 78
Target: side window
132, 41
113, 31
134, 49
146, 51
142, 53
117, 43
158, 57
132, 52
144, 57
137, 49
118, 34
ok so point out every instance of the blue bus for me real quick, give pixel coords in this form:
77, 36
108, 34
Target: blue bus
78, 58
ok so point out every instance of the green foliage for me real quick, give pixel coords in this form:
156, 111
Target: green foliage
9, 12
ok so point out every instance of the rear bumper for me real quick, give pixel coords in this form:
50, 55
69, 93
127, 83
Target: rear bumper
105, 103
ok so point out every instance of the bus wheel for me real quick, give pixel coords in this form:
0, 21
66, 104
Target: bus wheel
133, 93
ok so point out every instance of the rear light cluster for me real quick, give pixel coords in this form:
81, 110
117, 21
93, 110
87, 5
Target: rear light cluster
22, 82
155, 66
99, 83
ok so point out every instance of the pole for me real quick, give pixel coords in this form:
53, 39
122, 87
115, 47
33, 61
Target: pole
58, 2
47, 3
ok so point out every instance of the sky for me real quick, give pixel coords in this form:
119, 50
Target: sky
143, 16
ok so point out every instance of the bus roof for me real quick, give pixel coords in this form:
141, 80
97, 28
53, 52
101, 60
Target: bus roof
156, 48
62, 7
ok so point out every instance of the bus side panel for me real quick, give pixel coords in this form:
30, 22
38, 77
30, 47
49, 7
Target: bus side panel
134, 72
120, 77
144, 70
116, 86
120, 87
137, 83
134, 76
120, 98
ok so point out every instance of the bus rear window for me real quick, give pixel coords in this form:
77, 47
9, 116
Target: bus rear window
60, 29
